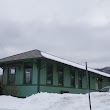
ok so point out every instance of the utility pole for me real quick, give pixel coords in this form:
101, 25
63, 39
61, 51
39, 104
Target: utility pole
88, 88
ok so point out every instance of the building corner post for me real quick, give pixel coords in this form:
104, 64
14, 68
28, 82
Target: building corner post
38, 77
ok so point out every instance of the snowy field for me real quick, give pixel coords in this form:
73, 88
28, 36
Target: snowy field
46, 101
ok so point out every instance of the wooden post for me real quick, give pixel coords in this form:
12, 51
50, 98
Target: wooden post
88, 88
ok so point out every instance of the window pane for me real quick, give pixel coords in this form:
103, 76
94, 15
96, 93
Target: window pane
80, 80
99, 85
60, 75
89, 79
72, 77
28, 73
12, 70
1, 75
49, 73
11, 75
99, 82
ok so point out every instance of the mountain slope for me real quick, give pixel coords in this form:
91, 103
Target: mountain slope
105, 69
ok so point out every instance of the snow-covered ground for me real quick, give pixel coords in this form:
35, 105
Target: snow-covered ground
49, 101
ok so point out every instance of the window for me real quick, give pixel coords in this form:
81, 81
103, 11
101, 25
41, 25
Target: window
72, 77
99, 82
79, 79
11, 75
49, 74
1, 75
28, 73
60, 75
89, 80
99, 85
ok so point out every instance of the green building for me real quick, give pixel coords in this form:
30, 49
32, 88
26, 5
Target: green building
36, 71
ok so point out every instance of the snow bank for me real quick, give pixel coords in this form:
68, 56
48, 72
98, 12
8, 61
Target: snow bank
50, 101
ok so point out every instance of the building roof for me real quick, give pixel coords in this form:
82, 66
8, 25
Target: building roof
21, 56
39, 54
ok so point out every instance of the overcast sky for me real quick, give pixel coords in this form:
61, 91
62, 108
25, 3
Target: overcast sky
78, 30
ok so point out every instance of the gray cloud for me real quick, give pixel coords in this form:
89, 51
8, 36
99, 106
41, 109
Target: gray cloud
75, 30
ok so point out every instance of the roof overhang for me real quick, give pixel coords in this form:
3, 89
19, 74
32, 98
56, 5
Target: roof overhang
48, 56
39, 54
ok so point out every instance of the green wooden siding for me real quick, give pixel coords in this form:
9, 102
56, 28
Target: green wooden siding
84, 79
5, 76
19, 75
76, 78
56, 89
92, 81
55, 75
34, 74
27, 90
43, 73
66, 76
21, 91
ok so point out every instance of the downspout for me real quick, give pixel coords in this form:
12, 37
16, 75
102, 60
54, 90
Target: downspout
38, 77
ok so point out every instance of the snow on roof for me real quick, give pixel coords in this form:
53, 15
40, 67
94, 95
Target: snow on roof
48, 56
